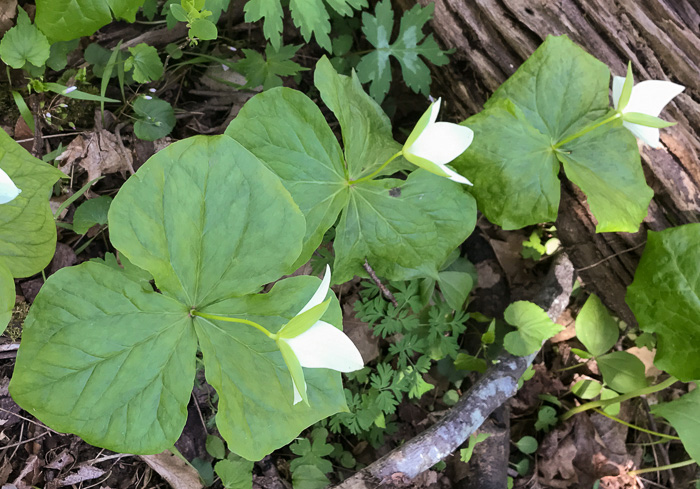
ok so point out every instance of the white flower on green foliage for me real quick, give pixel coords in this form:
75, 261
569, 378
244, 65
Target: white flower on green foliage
8, 189
432, 145
642, 103
308, 342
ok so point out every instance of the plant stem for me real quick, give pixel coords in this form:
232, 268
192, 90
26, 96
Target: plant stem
665, 467
588, 129
606, 402
375, 172
233, 320
635, 427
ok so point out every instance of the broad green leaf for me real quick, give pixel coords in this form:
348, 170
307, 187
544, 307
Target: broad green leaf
58, 59
683, 416
465, 454
557, 92
267, 71
533, 327
596, 329
203, 29
665, 298
312, 453
622, 371
191, 217
24, 43
560, 88
27, 230
117, 361
400, 232
309, 477
611, 409
91, 212
7, 297
256, 414
156, 118
527, 445
367, 135
465, 361
410, 42
587, 388
215, 447
617, 193
145, 62
235, 473
455, 287
513, 167
64, 20
303, 152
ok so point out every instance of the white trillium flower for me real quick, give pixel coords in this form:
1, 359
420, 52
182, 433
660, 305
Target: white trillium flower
8, 189
432, 145
649, 98
320, 346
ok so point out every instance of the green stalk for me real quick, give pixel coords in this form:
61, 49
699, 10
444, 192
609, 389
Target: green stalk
606, 402
233, 320
376, 172
635, 427
588, 129
663, 467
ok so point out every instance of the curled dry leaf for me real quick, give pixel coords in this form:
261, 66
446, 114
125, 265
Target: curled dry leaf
99, 153
178, 473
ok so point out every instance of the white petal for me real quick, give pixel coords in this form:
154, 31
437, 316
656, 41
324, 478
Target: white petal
321, 293
649, 135
442, 142
325, 346
651, 96
434, 110
297, 395
618, 83
456, 177
8, 189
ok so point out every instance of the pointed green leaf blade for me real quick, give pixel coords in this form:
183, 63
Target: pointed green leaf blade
7, 297
683, 416
191, 217
27, 229
117, 361
256, 415
622, 371
596, 329
301, 323
646, 120
626, 88
303, 152
665, 298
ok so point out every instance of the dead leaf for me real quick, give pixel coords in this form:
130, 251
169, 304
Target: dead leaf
178, 473
31, 468
99, 152
8, 11
64, 257
647, 357
85, 473
5, 470
360, 334
62, 460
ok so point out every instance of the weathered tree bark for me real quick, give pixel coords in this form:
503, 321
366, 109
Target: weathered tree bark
492, 38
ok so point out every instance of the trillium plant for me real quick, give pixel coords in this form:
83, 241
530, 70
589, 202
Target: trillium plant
109, 351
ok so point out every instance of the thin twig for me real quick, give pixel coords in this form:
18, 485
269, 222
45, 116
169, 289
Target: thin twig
387, 293
26, 441
199, 411
30, 421
611, 257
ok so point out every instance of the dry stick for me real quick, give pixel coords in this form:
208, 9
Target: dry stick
387, 293
495, 387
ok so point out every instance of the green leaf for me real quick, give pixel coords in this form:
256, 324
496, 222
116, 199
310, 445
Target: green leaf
312, 453
626, 88
7, 297
611, 409
27, 230
303, 152
24, 110
118, 361
465, 454
556, 93
203, 29
156, 118
546, 419
191, 218
145, 62
302, 322
63, 20
533, 327
271, 12
367, 135
665, 298
596, 329
622, 371
527, 445
24, 43
375, 67
58, 59
267, 72
309, 477
91, 212
683, 416
402, 234
465, 361
256, 416
235, 473
646, 120
587, 388
76, 94
455, 287
215, 447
